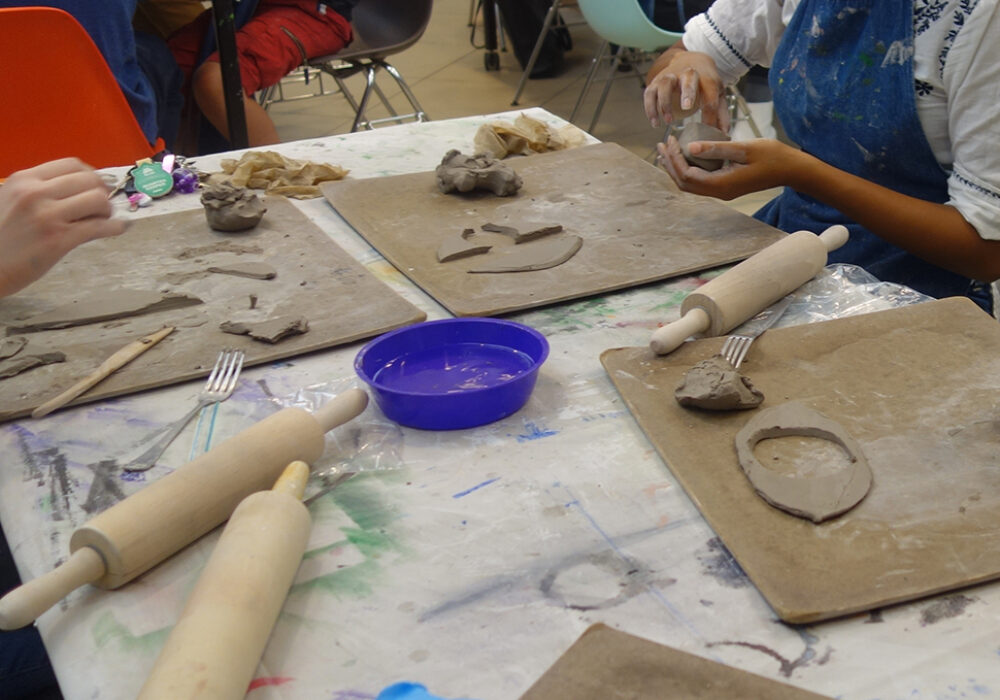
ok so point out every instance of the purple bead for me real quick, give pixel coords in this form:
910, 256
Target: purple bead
185, 181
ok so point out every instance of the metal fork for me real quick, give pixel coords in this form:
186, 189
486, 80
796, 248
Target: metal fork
735, 347
219, 387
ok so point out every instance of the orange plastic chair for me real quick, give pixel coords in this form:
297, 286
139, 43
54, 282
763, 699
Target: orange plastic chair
82, 113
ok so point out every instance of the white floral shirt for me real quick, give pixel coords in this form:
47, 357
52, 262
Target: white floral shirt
956, 79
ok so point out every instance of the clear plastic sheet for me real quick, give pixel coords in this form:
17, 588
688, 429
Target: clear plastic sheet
367, 443
845, 290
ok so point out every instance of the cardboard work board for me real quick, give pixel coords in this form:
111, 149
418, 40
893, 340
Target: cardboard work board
916, 387
316, 280
636, 228
608, 663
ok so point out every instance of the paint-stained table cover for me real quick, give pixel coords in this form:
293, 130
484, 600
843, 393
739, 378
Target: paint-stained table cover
916, 386
316, 280
608, 663
636, 228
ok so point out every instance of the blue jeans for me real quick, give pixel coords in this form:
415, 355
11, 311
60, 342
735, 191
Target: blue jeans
24, 665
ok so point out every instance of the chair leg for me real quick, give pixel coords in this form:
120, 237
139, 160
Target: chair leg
547, 23
418, 112
740, 105
598, 57
365, 96
617, 59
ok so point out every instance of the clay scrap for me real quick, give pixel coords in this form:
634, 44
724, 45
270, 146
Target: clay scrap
105, 306
714, 384
461, 173
459, 246
231, 209
253, 270
526, 136
699, 131
11, 346
540, 255
23, 363
816, 498
272, 330
519, 237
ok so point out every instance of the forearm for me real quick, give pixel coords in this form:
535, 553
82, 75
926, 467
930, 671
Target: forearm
934, 232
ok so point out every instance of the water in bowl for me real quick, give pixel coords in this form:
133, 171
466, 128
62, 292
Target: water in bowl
453, 368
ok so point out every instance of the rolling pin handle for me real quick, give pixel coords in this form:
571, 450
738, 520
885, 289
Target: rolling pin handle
24, 604
293, 480
669, 337
341, 409
834, 237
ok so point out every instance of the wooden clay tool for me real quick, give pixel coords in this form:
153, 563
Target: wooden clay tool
116, 361
134, 535
739, 293
216, 645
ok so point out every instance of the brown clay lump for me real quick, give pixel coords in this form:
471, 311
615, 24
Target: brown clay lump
713, 384
229, 208
462, 173
699, 131
272, 330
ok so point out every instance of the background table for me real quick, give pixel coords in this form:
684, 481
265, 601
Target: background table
474, 561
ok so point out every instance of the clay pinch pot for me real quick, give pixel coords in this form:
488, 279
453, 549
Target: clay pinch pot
231, 209
452, 373
699, 131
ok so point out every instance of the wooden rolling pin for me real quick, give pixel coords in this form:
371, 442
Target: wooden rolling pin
139, 532
216, 645
743, 291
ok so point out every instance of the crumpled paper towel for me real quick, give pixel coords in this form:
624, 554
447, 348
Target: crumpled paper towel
526, 136
277, 174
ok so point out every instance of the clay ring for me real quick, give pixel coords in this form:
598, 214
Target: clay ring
814, 498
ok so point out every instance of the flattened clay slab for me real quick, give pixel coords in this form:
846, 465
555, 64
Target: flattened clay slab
26, 362
459, 246
522, 237
714, 385
253, 270
269, 331
11, 346
812, 498
105, 306
532, 256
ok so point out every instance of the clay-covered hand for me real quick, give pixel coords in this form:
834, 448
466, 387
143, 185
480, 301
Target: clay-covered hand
45, 212
688, 81
752, 166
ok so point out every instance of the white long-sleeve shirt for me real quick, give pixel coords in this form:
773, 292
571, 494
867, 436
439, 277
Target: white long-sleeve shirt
956, 65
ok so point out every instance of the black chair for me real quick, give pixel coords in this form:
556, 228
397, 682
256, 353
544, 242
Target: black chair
381, 28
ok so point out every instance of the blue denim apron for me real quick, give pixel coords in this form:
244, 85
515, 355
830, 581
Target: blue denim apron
843, 87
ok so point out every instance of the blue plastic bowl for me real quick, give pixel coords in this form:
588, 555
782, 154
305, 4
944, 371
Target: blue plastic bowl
454, 373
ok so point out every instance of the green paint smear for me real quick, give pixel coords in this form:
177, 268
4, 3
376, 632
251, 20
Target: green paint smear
672, 300
108, 630
354, 581
362, 504
866, 60
372, 538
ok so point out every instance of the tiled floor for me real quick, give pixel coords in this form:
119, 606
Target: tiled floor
447, 73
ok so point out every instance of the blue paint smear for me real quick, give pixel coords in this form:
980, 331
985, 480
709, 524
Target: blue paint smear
475, 488
534, 432
409, 691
